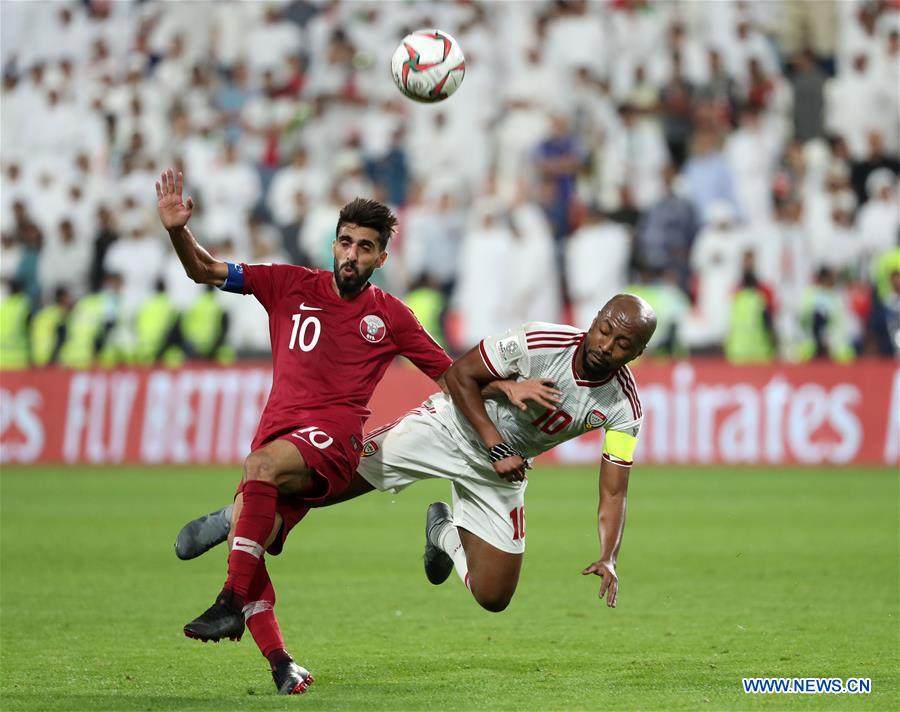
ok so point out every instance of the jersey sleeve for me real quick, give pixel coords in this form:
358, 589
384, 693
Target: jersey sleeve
506, 355
416, 344
267, 282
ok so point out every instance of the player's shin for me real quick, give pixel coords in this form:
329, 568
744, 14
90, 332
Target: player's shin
447, 538
259, 613
253, 527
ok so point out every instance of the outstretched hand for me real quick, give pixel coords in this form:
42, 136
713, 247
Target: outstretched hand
173, 212
537, 390
610, 585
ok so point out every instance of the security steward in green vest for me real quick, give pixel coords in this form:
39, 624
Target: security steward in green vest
15, 312
204, 326
823, 321
751, 335
90, 324
48, 328
156, 330
428, 303
659, 288
885, 267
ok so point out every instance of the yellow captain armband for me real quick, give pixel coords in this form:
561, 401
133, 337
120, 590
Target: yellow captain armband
618, 447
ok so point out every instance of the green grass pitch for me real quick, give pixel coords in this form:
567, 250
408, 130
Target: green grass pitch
724, 573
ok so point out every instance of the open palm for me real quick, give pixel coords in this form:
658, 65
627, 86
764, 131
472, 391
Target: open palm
173, 212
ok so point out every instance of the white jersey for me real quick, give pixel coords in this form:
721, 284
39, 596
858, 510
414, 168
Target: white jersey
543, 350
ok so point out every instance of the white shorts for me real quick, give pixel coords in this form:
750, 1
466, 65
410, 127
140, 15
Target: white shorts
419, 447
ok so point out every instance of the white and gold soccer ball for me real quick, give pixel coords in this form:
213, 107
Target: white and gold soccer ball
428, 66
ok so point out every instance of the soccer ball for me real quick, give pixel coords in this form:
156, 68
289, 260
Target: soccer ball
428, 66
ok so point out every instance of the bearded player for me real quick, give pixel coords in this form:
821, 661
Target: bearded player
333, 335
483, 446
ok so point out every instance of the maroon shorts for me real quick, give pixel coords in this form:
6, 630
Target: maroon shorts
332, 452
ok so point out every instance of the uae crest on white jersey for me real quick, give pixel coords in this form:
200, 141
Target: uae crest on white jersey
372, 328
594, 420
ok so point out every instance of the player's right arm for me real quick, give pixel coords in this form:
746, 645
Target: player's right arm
465, 379
174, 214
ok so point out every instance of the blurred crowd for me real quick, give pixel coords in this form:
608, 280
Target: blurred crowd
735, 163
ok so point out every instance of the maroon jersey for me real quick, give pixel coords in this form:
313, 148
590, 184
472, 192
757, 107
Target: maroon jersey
328, 354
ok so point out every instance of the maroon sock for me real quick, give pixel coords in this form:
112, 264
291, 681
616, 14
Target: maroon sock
260, 614
250, 534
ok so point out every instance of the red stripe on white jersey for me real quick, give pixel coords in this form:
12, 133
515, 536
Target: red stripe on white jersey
553, 344
623, 387
559, 332
381, 430
384, 428
554, 339
487, 361
629, 377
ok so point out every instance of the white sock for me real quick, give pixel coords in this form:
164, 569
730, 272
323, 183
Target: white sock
447, 538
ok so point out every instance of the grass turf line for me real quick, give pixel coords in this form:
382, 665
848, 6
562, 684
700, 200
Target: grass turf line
724, 574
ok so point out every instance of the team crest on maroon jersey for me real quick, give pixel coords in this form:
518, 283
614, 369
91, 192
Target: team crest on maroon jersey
594, 420
369, 448
372, 328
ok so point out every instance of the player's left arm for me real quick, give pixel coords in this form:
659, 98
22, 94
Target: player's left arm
618, 450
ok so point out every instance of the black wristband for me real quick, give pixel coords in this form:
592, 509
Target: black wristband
501, 451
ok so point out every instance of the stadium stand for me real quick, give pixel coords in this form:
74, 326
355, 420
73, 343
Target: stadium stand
734, 162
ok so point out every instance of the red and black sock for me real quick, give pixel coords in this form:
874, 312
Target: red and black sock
259, 612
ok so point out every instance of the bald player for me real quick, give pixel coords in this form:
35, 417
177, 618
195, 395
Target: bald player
566, 382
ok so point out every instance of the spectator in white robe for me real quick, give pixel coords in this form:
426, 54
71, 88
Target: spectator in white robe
856, 103
296, 177
485, 281
746, 41
576, 37
785, 261
596, 263
230, 195
267, 44
430, 235
318, 229
64, 261
839, 247
878, 219
536, 289
752, 154
634, 159
139, 256
716, 260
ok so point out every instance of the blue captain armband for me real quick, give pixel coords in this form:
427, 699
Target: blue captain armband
234, 282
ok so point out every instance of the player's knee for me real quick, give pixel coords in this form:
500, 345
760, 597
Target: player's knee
494, 601
259, 466
495, 604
